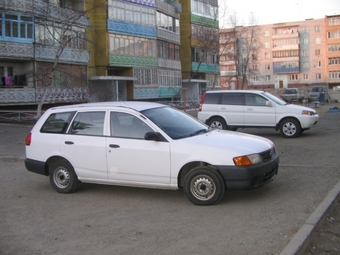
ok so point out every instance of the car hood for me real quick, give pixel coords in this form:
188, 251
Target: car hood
220, 146
297, 108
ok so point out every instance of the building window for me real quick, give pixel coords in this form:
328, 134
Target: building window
305, 65
204, 56
268, 78
267, 45
267, 55
16, 26
317, 64
133, 46
204, 9
333, 47
305, 76
267, 67
305, 41
145, 76
169, 78
168, 50
305, 29
333, 34
333, 21
256, 78
167, 22
305, 53
334, 61
317, 28
131, 13
54, 34
294, 77
318, 76
255, 67
317, 52
317, 40
334, 74
266, 33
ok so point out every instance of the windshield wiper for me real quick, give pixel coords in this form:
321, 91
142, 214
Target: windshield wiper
201, 131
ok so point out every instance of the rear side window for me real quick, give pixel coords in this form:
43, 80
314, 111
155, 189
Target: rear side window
57, 123
88, 123
212, 98
232, 99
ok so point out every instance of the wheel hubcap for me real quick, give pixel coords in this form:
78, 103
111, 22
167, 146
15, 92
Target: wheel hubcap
216, 125
203, 187
61, 178
289, 129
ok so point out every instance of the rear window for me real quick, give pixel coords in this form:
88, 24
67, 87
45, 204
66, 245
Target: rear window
232, 99
57, 123
212, 98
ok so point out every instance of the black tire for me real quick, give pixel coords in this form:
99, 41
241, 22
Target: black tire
62, 176
204, 186
217, 123
290, 128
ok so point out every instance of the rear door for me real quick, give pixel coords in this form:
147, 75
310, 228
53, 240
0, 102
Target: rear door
231, 107
84, 145
257, 112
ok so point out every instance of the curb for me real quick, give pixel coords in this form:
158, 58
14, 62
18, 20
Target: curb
304, 236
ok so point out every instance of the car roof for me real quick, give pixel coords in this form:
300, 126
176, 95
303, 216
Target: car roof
138, 106
236, 91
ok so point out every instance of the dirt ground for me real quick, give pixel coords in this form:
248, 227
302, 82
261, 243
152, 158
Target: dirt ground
327, 238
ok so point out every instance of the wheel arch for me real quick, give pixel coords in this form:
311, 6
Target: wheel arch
216, 116
191, 165
277, 127
51, 160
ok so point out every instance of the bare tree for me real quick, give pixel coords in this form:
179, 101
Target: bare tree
60, 31
241, 46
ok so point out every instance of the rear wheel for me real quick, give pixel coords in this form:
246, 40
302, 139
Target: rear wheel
204, 186
62, 176
290, 128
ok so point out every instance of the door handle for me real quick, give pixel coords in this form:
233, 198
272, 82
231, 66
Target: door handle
69, 142
114, 146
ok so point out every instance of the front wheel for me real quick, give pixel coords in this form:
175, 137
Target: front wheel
204, 186
290, 128
62, 177
217, 123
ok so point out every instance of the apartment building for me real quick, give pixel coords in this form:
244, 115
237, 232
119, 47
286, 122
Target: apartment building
64, 51
135, 53
292, 54
199, 47
38, 63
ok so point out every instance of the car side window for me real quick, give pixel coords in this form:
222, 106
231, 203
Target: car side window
125, 125
232, 99
57, 123
255, 100
88, 123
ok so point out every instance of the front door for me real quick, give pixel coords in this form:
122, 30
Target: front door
133, 159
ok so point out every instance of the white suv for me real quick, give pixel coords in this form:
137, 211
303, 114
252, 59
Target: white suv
144, 144
232, 109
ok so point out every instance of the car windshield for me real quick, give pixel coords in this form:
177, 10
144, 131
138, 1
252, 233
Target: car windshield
175, 123
274, 98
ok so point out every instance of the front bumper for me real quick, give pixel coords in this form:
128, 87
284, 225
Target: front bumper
250, 177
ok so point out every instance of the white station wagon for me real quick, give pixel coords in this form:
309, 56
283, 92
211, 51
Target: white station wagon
144, 144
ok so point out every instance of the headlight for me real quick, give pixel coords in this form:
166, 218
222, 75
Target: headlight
248, 160
305, 112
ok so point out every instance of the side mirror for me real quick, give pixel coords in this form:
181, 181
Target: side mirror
152, 136
268, 103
